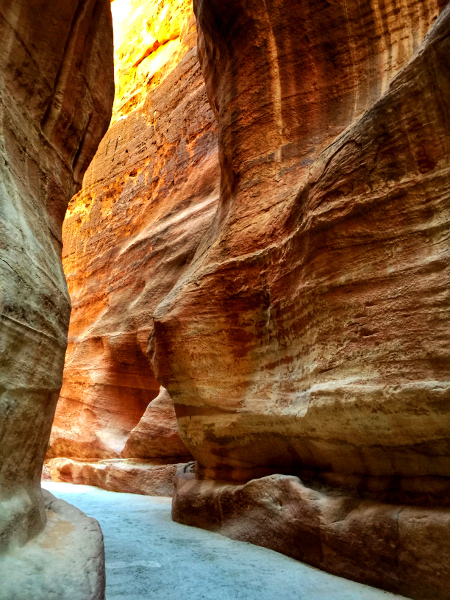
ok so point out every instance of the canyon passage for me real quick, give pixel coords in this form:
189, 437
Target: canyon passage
154, 557
254, 232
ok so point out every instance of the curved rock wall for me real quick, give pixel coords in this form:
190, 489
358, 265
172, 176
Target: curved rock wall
56, 93
148, 196
313, 325
310, 335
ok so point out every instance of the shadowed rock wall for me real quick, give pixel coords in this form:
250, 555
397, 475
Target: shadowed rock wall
56, 91
147, 198
310, 335
56, 94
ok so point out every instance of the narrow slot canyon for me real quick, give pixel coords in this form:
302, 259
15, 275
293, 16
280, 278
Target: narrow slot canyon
224, 300
147, 197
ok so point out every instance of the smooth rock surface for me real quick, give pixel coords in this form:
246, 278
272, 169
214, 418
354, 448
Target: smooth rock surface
156, 434
310, 335
153, 557
66, 561
153, 477
403, 548
56, 94
149, 195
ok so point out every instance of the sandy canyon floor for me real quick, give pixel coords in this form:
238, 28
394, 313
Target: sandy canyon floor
148, 556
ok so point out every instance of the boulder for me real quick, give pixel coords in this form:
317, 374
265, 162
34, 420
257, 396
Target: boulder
66, 560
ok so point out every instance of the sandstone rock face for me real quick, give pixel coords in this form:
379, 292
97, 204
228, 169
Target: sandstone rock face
56, 93
310, 335
311, 331
352, 537
151, 477
65, 561
156, 434
147, 198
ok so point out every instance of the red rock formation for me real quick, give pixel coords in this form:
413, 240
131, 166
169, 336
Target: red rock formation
56, 93
310, 335
147, 198
156, 434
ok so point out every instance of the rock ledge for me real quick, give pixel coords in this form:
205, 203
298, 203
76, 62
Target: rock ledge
400, 548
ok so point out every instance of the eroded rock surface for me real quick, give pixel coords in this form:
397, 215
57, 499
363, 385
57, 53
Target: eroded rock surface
310, 335
65, 561
352, 537
314, 323
151, 477
148, 197
56, 93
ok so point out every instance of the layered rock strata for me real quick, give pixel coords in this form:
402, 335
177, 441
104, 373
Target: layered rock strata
56, 94
147, 198
309, 336
151, 477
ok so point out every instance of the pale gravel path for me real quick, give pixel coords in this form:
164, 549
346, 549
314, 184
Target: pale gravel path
149, 557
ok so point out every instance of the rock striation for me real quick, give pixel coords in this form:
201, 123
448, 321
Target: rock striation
309, 336
129, 235
56, 94
151, 477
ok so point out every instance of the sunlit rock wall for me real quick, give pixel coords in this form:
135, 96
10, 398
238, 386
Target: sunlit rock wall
56, 94
310, 336
148, 197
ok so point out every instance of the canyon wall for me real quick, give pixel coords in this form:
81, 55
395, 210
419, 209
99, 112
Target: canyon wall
147, 198
56, 94
309, 336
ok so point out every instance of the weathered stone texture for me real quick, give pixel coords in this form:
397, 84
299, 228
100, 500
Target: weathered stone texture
56, 93
147, 198
352, 537
151, 477
310, 336
312, 331
65, 561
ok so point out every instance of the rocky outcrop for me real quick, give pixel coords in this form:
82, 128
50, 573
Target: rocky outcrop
356, 538
151, 477
66, 560
56, 93
147, 198
309, 335
156, 434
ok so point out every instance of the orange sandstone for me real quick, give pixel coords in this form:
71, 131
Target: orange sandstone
56, 94
310, 336
147, 198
